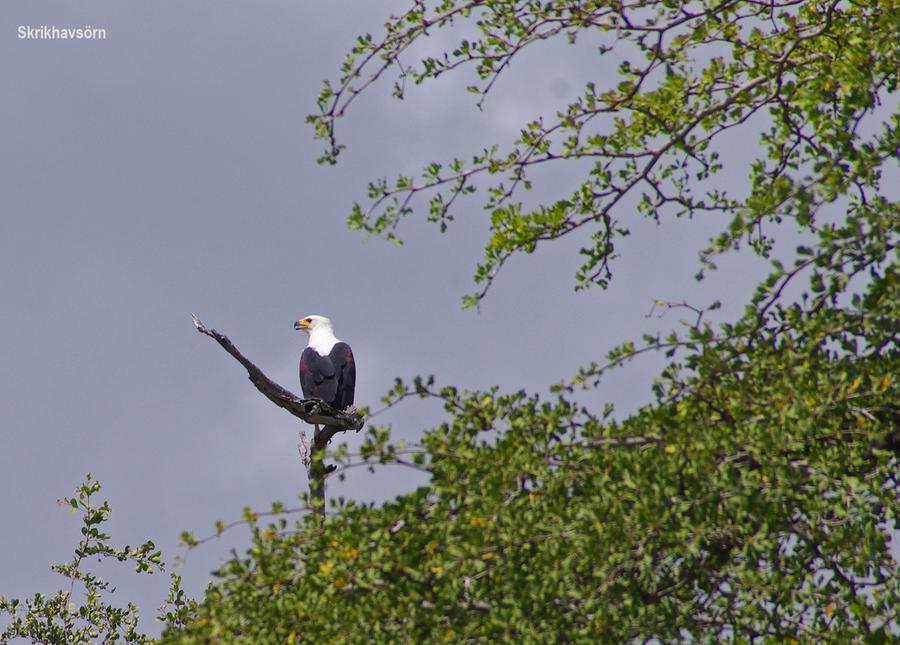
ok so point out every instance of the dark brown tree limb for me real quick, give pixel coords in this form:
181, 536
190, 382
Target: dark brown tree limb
313, 411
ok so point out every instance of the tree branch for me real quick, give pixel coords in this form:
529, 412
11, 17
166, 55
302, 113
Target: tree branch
313, 411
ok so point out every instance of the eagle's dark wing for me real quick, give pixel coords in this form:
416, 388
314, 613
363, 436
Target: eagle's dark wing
345, 371
318, 377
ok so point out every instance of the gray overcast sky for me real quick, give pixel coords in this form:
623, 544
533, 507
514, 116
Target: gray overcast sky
168, 169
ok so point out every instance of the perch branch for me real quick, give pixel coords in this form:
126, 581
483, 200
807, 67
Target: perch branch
313, 411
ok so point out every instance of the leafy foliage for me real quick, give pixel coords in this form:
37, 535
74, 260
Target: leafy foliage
809, 73
59, 618
754, 502
757, 499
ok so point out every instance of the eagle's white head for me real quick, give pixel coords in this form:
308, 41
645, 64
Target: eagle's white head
321, 333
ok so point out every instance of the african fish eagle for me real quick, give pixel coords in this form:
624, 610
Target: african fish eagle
327, 370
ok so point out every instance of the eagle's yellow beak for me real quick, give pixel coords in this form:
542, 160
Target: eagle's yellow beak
303, 324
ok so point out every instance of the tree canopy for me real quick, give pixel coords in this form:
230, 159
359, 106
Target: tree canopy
756, 500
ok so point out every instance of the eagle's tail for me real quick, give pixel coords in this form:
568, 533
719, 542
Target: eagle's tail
330, 431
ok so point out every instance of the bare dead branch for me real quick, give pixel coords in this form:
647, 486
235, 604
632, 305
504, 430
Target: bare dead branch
326, 420
313, 411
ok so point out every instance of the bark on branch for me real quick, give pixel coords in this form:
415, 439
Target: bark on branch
313, 411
